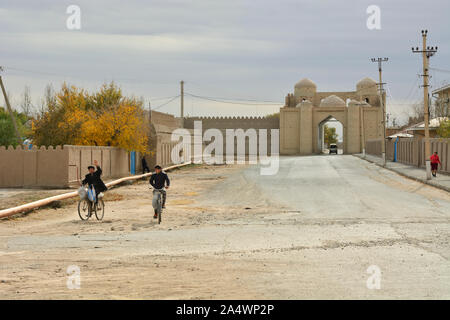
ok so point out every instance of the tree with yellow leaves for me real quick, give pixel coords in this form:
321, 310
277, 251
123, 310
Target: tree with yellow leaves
104, 118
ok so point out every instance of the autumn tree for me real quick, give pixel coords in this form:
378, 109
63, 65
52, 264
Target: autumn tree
60, 121
330, 135
103, 118
444, 129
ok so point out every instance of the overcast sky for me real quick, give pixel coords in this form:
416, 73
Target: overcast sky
239, 49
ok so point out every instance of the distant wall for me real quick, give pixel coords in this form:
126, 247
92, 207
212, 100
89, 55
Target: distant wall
113, 161
165, 119
411, 151
62, 167
373, 147
233, 122
58, 167
160, 145
244, 123
35, 167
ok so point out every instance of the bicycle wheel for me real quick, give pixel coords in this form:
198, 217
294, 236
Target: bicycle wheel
99, 209
159, 210
84, 209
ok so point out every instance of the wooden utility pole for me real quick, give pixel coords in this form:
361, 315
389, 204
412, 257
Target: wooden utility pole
427, 52
383, 106
11, 114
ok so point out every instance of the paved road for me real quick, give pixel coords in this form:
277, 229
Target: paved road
311, 231
343, 187
347, 214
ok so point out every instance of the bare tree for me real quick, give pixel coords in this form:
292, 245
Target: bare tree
440, 108
416, 113
49, 98
26, 106
394, 121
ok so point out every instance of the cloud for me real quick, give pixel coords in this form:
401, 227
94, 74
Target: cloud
235, 48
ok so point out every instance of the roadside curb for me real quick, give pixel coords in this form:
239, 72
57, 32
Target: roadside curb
46, 201
424, 181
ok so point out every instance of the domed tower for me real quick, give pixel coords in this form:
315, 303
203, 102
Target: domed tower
367, 90
305, 89
332, 101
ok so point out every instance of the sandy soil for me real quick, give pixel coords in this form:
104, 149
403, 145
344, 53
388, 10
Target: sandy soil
39, 271
228, 233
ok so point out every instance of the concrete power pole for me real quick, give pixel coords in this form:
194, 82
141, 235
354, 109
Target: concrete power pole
11, 114
149, 113
427, 52
182, 102
182, 98
383, 106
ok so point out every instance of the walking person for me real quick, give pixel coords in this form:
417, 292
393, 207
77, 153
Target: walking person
145, 167
435, 161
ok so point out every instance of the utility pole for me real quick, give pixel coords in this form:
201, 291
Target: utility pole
182, 98
182, 102
11, 114
427, 52
149, 113
383, 106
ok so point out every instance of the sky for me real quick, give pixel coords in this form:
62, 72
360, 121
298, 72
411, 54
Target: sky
251, 50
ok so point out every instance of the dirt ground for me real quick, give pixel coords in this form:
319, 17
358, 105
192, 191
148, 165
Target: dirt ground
225, 236
40, 272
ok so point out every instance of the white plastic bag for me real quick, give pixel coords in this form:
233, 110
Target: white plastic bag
82, 192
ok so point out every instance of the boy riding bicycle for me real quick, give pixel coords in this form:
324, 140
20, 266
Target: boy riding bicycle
93, 179
158, 181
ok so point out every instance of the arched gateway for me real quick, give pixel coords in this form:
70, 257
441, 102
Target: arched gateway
306, 110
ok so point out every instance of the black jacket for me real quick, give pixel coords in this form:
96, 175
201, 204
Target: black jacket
144, 163
95, 180
157, 180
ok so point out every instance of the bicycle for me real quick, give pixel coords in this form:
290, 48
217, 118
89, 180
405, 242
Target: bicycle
86, 207
157, 202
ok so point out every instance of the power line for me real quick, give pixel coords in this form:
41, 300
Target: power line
439, 70
36, 72
162, 105
233, 101
162, 98
80, 77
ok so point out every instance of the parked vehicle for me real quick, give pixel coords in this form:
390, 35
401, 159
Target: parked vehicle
333, 149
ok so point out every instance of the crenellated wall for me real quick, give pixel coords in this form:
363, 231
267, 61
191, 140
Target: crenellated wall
160, 143
35, 167
234, 123
63, 166
57, 167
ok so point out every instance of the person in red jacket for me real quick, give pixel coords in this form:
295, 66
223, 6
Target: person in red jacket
434, 163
